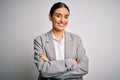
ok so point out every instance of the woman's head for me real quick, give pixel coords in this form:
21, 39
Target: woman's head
59, 15
58, 5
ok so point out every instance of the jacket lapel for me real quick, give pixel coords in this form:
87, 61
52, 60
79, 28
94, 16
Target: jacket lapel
68, 45
50, 46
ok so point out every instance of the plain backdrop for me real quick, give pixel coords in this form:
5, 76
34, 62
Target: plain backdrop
97, 22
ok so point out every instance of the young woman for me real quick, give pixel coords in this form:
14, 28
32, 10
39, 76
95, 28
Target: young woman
59, 55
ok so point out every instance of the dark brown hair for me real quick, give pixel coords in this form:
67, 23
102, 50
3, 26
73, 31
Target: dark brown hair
58, 5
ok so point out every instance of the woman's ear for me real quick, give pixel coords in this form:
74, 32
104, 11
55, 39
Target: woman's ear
50, 17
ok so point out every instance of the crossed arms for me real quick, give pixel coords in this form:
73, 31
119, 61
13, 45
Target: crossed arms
60, 69
44, 57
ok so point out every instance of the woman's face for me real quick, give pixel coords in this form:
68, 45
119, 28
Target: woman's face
59, 19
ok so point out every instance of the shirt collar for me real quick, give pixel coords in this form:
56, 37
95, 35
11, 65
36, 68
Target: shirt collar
54, 38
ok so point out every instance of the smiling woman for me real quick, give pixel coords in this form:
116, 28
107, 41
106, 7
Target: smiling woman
60, 55
59, 19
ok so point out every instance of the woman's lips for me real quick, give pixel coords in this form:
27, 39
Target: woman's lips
61, 25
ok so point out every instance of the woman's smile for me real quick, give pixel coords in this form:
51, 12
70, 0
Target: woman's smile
61, 25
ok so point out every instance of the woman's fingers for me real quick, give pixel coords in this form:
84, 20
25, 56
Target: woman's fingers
75, 62
43, 57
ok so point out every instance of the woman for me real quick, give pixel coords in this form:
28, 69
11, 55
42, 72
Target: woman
59, 55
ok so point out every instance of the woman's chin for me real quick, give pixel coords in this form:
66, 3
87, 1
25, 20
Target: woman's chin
59, 30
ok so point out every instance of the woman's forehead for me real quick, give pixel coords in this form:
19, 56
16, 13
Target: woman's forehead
62, 11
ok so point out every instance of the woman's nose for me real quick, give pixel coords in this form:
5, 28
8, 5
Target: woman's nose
62, 19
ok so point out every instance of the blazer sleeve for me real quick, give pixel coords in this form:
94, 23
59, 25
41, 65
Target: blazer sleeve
80, 69
50, 68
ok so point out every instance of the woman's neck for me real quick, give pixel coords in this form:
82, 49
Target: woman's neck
58, 34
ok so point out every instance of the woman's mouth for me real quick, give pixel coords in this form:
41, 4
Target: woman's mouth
61, 25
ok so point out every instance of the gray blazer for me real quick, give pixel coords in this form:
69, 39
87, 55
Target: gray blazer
60, 69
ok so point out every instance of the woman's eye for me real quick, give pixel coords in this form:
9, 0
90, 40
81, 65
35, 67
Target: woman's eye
66, 16
58, 15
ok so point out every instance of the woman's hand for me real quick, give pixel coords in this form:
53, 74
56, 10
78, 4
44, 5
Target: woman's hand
75, 62
43, 57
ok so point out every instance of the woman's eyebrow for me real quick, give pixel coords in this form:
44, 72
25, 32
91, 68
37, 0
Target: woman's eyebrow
58, 13
61, 14
67, 14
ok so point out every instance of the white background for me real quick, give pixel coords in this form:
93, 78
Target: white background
96, 21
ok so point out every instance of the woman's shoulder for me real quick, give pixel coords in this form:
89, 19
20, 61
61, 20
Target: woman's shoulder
39, 36
43, 36
73, 35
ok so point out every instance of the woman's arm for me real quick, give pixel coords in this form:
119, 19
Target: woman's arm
81, 68
45, 58
78, 69
50, 68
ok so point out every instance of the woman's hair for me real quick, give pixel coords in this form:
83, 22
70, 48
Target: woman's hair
58, 5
